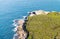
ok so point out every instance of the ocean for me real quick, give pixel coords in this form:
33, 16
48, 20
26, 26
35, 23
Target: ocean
16, 9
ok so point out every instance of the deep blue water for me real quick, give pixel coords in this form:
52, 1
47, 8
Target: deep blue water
14, 9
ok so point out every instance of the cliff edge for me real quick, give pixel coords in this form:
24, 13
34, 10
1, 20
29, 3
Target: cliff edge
40, 25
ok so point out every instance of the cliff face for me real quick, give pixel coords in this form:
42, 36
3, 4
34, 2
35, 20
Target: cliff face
22, 34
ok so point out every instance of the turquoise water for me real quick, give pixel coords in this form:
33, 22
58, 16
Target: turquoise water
15, 9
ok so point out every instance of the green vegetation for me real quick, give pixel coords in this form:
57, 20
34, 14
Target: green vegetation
44, 26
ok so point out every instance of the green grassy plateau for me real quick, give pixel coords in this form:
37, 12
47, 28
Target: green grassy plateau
44, 26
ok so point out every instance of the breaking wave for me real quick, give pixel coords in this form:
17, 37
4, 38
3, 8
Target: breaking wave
15, 23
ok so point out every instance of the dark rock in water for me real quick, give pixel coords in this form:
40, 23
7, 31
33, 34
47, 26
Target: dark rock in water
16, 37
33, 12
16, 21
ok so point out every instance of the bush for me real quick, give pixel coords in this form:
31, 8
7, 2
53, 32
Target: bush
44, 26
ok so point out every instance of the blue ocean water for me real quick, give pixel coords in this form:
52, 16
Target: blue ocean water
15, 9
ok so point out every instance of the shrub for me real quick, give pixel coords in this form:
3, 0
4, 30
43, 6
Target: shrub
44, 26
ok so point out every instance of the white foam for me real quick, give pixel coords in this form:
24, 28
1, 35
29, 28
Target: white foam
15, 29
15, 21
15, 36
14, 24
24, 16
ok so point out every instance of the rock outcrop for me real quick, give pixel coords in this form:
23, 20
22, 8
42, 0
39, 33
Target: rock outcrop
38, 12
22, 34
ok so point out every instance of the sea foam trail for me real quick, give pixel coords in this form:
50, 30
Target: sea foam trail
15, 29
15, 36
15, 23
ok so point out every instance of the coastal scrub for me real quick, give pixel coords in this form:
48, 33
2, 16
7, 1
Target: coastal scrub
44, 26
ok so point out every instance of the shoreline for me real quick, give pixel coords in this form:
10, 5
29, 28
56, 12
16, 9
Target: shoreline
19, 23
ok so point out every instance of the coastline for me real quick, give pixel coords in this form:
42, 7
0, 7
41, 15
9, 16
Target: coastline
19, 23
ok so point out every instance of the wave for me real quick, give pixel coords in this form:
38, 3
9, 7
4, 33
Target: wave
15, 20
15, 29
15, 36
15, 23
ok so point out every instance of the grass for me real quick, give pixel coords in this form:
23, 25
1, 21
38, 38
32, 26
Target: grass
44, 26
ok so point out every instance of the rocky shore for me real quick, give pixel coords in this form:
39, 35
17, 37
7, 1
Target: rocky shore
22, 34
21, 29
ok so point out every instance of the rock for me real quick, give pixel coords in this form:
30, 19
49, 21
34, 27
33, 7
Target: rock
22, 34
38, 12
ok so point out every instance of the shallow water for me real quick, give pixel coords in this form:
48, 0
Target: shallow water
15, 9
